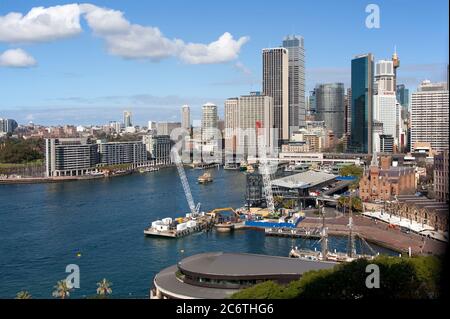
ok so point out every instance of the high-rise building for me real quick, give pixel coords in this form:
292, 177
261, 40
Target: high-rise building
403, 95
297, 107
362, 104
7, 125
385, 107
429, 115
209, 121
166, 128
127, 119
276, 85
403, 98
255, 118
70, 156
386, 143
185, 117
312, 102
348, 111
231, 123
330, 107
384, 78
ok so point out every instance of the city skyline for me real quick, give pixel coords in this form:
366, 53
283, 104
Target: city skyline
154, 90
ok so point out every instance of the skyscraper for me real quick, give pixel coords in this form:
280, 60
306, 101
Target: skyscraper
209, 121
330, 107
362, 101
254, 112
185, 117
231, 123
348, 111
127, 119
297, 107
385, 107
276, 85
429, 115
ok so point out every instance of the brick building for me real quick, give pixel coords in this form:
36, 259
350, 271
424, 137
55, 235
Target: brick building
421, 210
441, 177
383, 182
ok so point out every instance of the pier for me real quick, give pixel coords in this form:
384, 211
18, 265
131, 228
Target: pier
293, 232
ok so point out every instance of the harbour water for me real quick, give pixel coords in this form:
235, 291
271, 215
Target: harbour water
98, 225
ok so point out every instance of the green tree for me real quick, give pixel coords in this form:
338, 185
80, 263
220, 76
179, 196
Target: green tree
61, 291
23, 295
400, 278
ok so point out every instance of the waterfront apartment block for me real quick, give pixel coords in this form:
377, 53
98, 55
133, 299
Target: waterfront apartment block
115, 153
430, 115
383, 182
276, 85
158, 148
70, 156
441, 177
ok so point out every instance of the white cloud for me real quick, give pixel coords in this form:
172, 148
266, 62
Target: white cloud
41, 24
223, 50
16, 58
124, 39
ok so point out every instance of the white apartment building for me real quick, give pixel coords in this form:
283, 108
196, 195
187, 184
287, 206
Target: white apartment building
429, 115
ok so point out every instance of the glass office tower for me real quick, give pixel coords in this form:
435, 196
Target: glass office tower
362, 101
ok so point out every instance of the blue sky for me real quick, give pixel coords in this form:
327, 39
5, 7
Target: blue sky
76, 80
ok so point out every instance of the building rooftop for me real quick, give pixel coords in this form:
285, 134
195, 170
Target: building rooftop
304, 180
424, 203
230, 266
245, 265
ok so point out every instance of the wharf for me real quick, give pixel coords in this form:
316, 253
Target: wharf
293, 232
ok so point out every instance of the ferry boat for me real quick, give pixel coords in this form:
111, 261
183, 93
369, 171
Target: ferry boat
148, 169
205, 178
231, 166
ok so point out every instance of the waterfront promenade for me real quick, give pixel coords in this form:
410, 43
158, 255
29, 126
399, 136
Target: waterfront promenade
379, 233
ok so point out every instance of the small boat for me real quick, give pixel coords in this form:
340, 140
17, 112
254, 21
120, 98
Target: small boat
224, 227
250, 169
231, 166
205, 178
243, 166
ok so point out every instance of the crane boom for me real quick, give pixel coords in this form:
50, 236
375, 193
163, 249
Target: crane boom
187, 190
265, 172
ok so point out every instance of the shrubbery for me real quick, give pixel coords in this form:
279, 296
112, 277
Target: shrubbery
410, 278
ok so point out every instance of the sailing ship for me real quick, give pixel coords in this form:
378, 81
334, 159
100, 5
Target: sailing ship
325, 254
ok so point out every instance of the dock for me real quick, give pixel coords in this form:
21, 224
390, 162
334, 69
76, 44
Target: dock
293, 232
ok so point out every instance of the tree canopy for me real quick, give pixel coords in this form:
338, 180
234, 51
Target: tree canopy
409, 278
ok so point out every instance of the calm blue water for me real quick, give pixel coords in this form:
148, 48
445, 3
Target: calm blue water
44, 226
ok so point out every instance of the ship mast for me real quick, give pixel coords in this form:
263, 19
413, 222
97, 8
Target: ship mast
351, 237
324, 236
